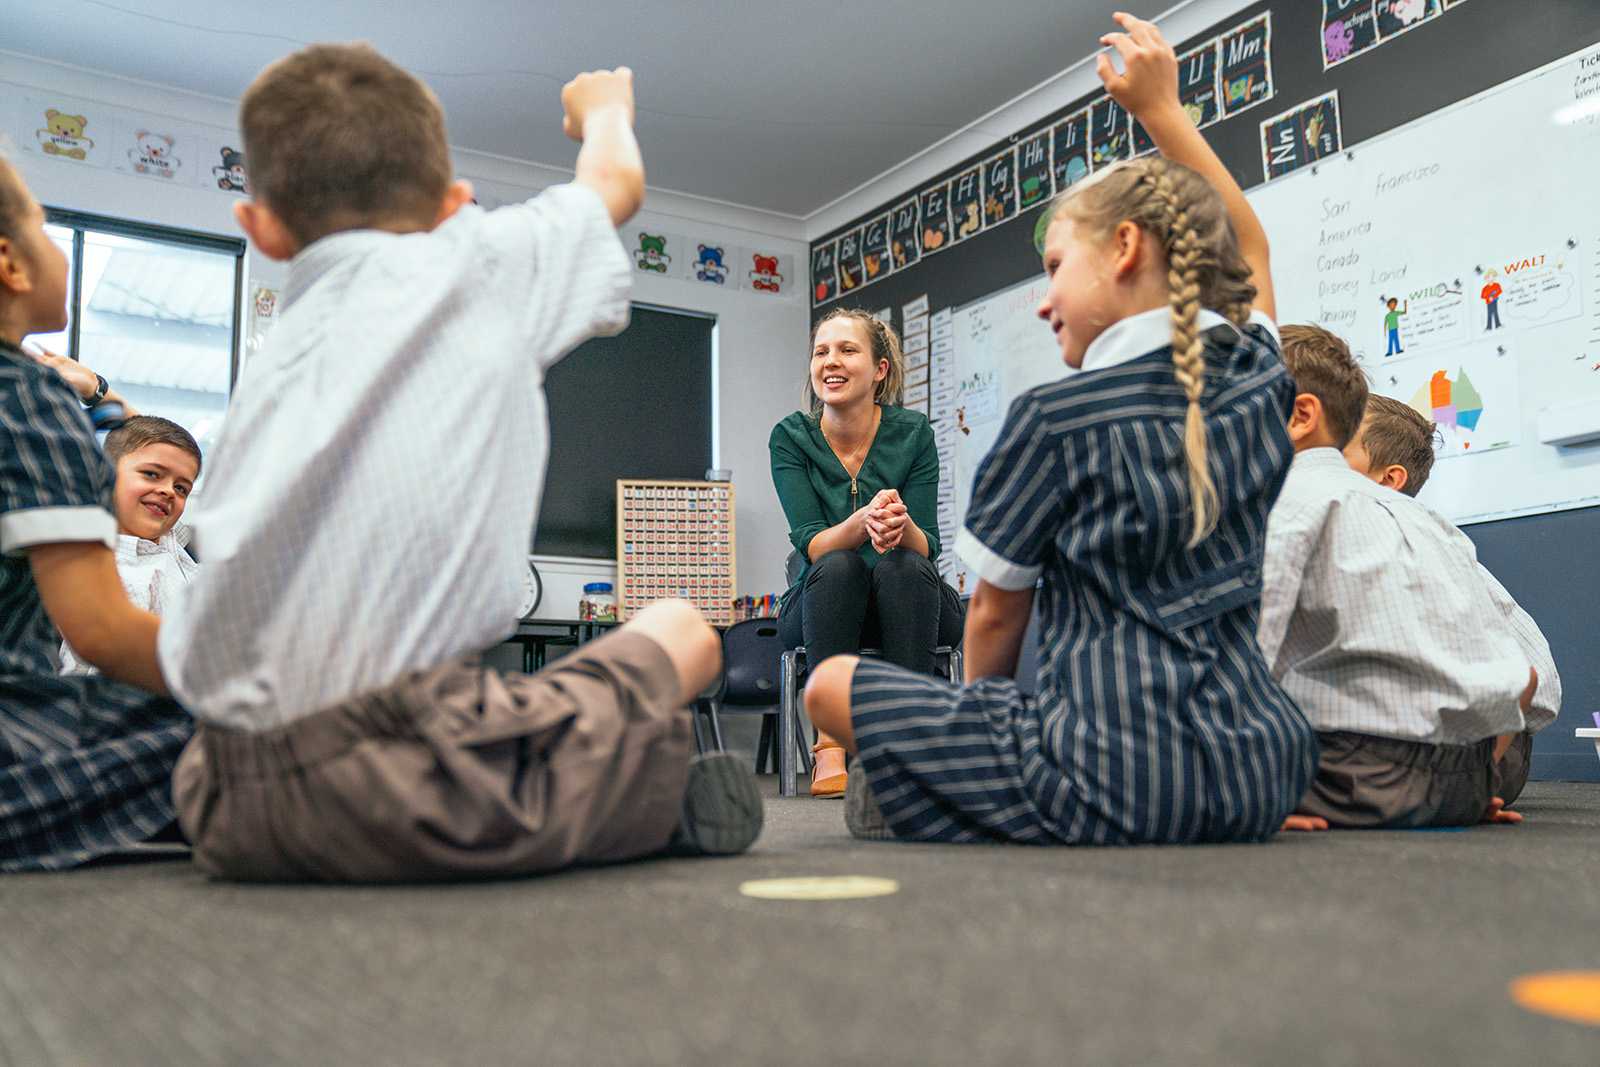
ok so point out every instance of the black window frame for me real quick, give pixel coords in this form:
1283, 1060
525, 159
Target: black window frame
81, 222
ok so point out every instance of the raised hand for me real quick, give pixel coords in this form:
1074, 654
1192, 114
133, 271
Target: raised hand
594, 91
1149, 78
83, 381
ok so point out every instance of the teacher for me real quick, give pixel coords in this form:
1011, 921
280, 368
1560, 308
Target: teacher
858, 478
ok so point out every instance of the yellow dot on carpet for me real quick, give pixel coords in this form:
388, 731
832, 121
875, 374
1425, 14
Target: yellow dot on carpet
1570, 995
842, 887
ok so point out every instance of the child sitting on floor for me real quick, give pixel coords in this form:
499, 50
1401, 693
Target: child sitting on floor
329, 644
1395, 448
1376, 620
1138, 491
85, 763
157, 463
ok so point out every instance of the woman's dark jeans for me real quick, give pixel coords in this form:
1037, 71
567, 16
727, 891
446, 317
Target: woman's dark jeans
899, 607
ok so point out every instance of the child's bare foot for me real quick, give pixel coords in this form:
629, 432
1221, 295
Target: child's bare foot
1306, 823
1497, 813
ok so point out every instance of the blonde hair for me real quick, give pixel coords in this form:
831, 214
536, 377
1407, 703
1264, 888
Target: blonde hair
1205, 268
885, 346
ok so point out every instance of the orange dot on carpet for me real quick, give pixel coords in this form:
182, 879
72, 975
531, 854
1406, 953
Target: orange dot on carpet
1570, 995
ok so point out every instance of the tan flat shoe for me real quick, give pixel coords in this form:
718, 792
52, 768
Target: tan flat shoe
828, 777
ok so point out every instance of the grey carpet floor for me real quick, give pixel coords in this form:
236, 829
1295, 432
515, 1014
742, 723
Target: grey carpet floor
1351, 948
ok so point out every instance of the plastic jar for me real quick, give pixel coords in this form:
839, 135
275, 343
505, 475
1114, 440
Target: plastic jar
599, 604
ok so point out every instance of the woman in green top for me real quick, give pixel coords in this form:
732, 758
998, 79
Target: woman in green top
858, 478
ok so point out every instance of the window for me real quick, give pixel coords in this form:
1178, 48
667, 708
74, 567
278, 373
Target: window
156, 311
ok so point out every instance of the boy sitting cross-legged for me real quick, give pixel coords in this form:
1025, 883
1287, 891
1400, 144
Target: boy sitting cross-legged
1374, 617
368, 510
1395, 448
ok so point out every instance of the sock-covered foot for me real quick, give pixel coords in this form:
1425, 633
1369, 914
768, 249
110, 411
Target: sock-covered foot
861, 813
722, 810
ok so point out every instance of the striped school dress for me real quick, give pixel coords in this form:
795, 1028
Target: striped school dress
1156, 718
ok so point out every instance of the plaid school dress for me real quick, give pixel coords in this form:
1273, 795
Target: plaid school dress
1156, 718
85, 762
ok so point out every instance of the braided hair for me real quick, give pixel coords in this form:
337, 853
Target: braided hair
885, 346
1204, 269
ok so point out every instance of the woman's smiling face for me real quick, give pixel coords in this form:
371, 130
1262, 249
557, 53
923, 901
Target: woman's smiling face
842, 368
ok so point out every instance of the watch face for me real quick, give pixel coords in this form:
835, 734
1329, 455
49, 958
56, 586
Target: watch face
530, 592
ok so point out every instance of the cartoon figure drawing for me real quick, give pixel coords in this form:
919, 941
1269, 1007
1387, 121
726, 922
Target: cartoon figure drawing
994, 208
874, 262
969, 225
63, 135
848, 279
961, 420
266, 302
1337, 41
1391, 323
1314, 129
932, 238
152, 154
1032, 189
652, 253
709, 268
230, 175
766, 277
1408, 11
1491, 298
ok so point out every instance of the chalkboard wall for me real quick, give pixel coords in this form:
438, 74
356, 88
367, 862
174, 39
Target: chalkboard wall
1543, 560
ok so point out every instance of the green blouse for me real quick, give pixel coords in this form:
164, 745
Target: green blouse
814, 488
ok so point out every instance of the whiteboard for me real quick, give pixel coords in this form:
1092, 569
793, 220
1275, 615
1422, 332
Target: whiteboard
1421, 214
1497, 190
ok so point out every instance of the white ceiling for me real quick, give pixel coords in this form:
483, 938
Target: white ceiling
783, 107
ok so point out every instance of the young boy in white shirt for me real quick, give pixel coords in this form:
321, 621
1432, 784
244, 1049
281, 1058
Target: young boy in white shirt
157, 463
1374, 617
1395, 448
369, 506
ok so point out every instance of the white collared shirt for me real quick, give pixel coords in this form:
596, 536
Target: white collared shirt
370, 504
1376, 616
154, 574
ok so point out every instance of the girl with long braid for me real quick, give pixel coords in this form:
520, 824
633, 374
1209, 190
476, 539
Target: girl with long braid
1134, 495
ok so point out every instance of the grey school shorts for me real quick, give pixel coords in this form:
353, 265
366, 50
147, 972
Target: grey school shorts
1366, 782
455, 772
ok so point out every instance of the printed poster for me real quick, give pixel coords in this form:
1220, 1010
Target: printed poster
69, 130
1069, 150
1397, 16
1033, 170
655, 253
935, 211
711, 263
1246, 65
1143, 143
1301, 136
165, 151
1349, 27
824, 273
1197, 84
875, 250
222, 166
1108, 133
903, 234
768, 272
1000, 188
966, 193
849, 259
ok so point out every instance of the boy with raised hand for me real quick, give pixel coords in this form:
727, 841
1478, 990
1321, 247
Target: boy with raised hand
1395, 448
1374, 619
157, 463
369, 507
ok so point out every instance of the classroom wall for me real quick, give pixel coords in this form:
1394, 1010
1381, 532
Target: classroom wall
761, 339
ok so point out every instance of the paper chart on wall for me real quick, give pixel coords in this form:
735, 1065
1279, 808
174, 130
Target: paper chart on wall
1435, 252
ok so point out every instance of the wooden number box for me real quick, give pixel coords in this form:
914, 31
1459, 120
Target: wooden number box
676, 539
